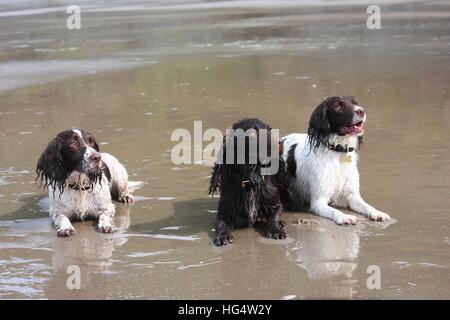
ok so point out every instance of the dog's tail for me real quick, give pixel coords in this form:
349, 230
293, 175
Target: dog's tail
214, 184
134, 185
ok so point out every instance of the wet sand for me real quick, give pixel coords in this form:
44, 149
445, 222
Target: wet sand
132, 76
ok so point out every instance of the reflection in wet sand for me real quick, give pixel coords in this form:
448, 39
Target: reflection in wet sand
23, 277
327, 252
92, 252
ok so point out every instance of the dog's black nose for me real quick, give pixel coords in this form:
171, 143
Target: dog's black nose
360, 112
95, 157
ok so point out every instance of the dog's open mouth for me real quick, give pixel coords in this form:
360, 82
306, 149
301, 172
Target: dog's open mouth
355, 128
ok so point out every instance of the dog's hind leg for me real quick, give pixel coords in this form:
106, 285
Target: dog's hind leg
120, 187
286, 199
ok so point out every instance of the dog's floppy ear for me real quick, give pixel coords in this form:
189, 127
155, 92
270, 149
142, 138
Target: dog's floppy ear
95, 145
90, 140
50, 168
319, 126
214, 183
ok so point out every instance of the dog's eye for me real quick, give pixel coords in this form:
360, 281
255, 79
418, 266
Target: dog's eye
339, 106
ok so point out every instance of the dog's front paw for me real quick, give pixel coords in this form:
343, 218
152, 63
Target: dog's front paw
379, 216
276, 234
106, 228
276, 230
65, 232
346, 219
128, 198
223, 239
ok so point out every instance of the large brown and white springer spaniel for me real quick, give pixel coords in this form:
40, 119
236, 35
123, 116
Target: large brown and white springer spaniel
323, 162
82, 181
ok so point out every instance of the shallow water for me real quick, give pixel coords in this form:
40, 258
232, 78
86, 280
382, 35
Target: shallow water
132, 76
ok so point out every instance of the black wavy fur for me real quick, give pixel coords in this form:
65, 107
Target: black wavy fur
319, 127
243, 188
50, 168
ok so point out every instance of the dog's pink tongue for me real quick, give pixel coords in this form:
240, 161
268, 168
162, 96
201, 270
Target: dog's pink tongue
360, 128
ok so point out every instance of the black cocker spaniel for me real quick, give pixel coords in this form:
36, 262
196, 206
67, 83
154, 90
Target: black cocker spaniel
252, 178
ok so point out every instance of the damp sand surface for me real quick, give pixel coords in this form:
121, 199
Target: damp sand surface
136, 72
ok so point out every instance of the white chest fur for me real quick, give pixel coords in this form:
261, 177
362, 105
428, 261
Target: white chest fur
323, 172
81, 204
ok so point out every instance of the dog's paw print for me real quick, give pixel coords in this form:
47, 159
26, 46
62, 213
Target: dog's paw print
223, 239
65, 232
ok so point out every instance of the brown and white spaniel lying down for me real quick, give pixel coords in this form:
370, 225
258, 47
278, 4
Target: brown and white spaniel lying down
82, 182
